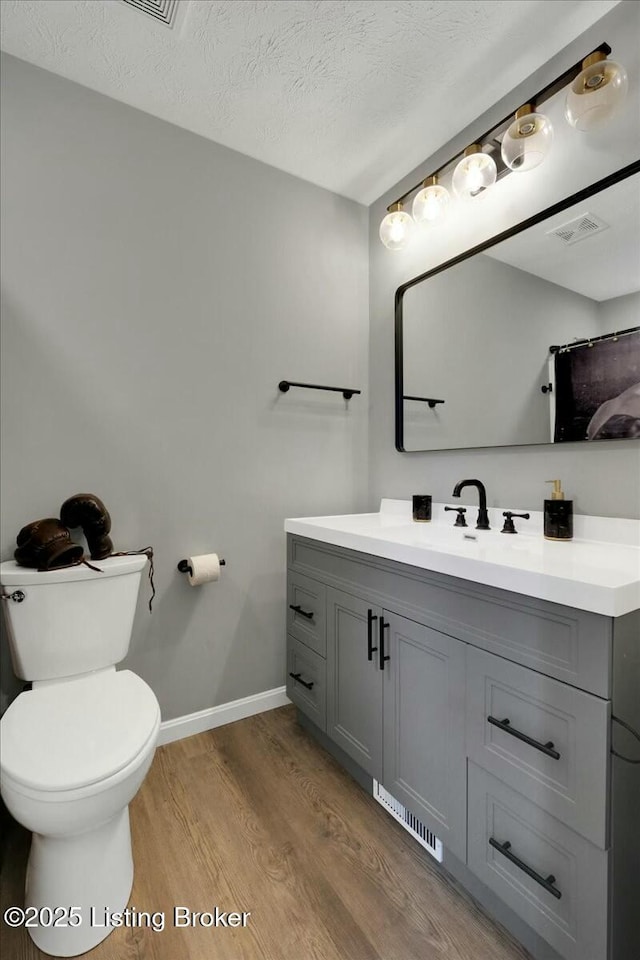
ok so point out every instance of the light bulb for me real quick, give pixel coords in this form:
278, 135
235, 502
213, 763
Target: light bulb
597, 93
528, 140
396, 228
474, 173
430, 204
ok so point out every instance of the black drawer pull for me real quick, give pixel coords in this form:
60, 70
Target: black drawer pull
298, 678
383, 657
298, 609
546, 882
546, 748
371, 616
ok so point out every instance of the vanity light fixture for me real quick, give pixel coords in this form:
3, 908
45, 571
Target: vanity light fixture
528, 140
430, 204
396, 228
474, 173
597, 92
597, 87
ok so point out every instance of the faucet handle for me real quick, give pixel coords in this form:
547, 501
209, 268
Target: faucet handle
508, 521
460, 519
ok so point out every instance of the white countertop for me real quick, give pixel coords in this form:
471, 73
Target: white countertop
598, 571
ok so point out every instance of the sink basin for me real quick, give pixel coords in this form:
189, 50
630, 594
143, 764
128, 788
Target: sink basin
438, 535
589, 572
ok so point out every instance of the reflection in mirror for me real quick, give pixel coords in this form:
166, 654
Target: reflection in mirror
534, 340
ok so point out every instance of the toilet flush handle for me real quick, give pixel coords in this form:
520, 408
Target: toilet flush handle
17, 596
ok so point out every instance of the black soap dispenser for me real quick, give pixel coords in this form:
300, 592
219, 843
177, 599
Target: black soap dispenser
558, 515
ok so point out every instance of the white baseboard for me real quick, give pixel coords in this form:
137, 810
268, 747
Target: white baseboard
193, 723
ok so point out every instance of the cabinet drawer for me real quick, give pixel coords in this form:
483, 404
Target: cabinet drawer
563, 764
306, 681
536, 850
306, 611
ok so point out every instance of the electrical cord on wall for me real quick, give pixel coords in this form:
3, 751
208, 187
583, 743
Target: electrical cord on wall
148, 552
634, 733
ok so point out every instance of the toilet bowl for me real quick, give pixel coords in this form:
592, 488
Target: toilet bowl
73, 754
75, 749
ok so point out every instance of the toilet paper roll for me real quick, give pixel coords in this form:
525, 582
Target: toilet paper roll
204, 569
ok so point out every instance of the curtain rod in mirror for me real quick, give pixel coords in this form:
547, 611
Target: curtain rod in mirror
589, 341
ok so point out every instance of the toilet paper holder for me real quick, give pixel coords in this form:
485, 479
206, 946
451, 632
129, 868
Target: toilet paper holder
185, 567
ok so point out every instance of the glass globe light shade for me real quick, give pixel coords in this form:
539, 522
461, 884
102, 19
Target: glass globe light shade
596, 94
527, 141
430, 204
396, 228
474, 173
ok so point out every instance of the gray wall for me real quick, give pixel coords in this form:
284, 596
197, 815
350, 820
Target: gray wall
620, 313
602, 479
156, 288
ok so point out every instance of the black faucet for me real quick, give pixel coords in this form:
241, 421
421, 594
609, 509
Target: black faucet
483, 516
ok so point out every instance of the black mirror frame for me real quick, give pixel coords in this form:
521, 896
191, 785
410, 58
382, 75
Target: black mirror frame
558, 207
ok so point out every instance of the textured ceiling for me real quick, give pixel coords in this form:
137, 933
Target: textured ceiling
349, 94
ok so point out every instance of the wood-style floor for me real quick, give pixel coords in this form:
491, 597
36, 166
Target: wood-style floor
255, 816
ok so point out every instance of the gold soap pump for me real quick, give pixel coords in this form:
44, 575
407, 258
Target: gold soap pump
558, 514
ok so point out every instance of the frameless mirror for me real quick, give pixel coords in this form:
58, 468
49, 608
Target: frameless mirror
531, 337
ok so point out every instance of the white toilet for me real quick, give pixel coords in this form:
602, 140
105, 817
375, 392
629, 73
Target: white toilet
75, 749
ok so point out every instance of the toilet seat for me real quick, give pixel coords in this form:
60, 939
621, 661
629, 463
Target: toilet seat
69, 735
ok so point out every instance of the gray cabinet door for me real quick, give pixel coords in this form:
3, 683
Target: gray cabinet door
424, 750
354, 682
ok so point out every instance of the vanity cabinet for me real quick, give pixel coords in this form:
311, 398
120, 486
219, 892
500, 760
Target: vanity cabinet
487, 714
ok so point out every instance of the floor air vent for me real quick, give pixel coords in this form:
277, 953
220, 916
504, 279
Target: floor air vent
411, 824
162, 10
580, 228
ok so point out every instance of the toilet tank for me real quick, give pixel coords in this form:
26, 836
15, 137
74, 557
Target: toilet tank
73, 620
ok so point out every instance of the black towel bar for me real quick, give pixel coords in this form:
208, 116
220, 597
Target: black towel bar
346, 392
430, 400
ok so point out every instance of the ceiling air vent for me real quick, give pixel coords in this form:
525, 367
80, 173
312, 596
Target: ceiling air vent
162, 10
586, 225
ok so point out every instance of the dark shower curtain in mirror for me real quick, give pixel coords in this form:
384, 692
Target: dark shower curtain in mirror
597, 388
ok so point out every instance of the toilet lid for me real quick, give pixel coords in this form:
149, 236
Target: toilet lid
72, 734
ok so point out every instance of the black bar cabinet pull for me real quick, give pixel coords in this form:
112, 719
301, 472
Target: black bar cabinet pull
546, 882
383, 657
298, 678
346, 392
371, 616
298, 609
546, 748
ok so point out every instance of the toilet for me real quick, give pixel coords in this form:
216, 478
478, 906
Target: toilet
75, 749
